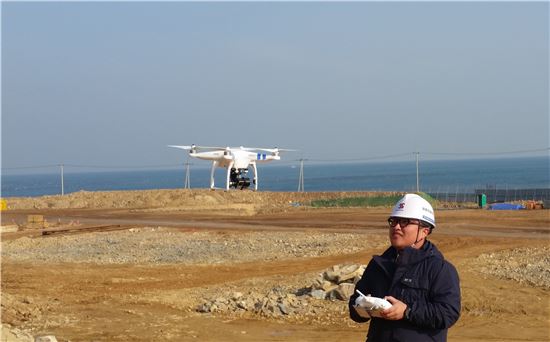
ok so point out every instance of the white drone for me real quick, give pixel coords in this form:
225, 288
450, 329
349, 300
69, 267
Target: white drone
236, 160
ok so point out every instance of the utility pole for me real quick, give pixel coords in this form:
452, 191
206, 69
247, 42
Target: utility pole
62, 181
301, 177
187, 183
417, 177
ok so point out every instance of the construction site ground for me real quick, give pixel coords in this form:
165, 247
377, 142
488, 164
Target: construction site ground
120, 266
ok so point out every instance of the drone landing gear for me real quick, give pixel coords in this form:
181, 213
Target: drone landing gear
238, 179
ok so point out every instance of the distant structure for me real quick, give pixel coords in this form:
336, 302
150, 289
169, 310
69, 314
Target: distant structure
301, 177
187, 183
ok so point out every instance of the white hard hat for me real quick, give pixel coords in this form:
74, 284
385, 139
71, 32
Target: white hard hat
414, 206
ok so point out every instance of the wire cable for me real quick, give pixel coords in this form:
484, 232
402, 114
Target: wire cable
486, 153
290, 162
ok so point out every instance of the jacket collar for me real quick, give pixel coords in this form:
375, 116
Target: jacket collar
409, 255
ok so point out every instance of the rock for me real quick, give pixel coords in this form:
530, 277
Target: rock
318, 282
348, 268
9, 228
344, 277
357, 272
203, 308
291, 299
319, 294
9, 333
330, 280
344, 291
330, 288
268, 310
331, 276
325, 286
284, 309
242, 305
47, 338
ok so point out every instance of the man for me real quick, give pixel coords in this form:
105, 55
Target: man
413, 276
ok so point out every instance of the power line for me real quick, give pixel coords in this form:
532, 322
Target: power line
30, 167
93, 166
122, 166
487, 153
342, 160
360, 159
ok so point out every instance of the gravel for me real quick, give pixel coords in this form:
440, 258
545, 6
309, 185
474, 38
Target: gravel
530, 266
163, 246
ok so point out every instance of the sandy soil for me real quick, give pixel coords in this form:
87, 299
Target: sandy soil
85, 299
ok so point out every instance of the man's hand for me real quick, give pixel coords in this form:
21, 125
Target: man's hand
362, 312
397, 310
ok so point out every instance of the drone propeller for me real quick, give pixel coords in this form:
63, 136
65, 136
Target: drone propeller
271, 150
227, 150
195, 147
182, 147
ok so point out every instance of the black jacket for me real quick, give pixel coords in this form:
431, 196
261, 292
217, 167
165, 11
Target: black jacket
422, 279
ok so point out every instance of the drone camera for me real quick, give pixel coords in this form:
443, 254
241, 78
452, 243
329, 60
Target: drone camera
238, 179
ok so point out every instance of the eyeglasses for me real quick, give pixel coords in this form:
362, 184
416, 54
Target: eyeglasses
402, 221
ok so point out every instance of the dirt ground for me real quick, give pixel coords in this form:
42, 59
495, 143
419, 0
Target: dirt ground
87, 301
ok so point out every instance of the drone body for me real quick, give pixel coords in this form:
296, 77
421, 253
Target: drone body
236, 160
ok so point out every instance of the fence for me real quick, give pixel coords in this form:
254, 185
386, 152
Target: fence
494, 195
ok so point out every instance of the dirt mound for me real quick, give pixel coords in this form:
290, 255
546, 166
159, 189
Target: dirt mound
240, 202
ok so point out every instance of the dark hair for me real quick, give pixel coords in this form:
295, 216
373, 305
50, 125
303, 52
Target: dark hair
425, 224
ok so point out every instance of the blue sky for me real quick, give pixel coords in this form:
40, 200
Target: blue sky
112, 84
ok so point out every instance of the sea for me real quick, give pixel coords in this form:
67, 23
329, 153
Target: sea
434, 176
